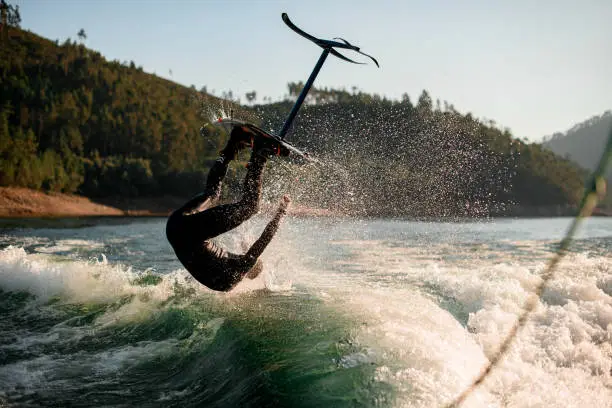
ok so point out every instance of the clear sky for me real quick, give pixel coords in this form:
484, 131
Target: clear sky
535, 66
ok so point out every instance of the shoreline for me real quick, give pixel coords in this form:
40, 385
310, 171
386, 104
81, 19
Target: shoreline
18, 202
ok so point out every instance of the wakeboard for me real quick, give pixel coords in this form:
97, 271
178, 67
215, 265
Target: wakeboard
278, 146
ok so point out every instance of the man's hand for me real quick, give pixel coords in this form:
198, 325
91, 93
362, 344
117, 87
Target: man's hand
284, 204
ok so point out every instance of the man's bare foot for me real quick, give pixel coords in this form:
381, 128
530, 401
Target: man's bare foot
255, 270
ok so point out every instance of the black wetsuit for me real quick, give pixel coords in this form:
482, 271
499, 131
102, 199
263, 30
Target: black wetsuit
190, 228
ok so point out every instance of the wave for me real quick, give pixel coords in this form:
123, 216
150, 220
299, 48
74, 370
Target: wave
85, 333
381, 324
562, 358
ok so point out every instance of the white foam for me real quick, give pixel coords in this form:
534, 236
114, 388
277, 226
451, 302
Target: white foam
94, 281
562, 358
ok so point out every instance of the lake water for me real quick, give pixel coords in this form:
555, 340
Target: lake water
99, 312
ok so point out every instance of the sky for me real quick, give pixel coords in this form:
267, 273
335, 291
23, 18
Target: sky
533, 66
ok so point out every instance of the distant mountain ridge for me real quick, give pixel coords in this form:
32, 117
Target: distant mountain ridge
584, 142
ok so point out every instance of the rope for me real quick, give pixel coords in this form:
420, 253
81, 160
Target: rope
596, 186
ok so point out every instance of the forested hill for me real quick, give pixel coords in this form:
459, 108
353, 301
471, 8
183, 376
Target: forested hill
584, 142
72, 121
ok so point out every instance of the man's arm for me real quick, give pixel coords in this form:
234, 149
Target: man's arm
268, 233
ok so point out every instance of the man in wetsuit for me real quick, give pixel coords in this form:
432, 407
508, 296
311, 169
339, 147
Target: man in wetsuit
190, 228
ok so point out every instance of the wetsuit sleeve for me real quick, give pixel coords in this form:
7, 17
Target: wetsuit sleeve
266, 236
